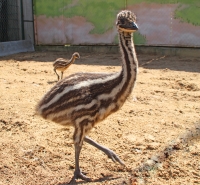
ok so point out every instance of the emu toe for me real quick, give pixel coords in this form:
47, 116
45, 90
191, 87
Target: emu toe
79, 175
113, 156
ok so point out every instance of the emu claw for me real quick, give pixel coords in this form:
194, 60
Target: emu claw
79, 175
114, 157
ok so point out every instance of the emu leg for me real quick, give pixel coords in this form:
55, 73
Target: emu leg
107, 151
57, 74
77, 173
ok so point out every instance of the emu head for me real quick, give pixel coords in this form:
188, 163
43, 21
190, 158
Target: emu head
126, 21
76, 55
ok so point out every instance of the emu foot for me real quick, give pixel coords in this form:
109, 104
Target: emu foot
79, 175
113, 156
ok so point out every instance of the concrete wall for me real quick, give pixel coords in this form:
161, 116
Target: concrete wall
160, 51
8, 48
173, 23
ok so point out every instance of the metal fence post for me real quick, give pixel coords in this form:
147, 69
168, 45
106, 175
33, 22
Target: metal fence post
22, 19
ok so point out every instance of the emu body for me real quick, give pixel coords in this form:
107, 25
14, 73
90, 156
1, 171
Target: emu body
84, 99
62, 64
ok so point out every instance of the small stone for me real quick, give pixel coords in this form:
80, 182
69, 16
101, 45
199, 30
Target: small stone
177, 146
150, 162
138, 151
152, 146
149, 137
130, 137
139, 142
155, 158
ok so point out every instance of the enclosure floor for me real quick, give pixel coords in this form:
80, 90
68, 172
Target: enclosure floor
163, 106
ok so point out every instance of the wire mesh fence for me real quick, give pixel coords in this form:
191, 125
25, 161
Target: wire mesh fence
10, 24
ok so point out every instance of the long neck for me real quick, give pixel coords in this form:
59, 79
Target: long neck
129, 65
71, 60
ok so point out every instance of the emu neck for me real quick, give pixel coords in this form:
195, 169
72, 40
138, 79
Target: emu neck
129, 63
72, 60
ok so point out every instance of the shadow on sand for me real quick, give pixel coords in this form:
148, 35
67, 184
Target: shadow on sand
101, 179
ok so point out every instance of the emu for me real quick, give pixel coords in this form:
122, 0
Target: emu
82, 100
62, 64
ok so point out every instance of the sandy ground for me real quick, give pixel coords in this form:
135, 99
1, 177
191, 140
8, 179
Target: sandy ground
164, 105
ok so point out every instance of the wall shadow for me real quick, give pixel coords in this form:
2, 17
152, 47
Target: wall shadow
187, 64
148, 61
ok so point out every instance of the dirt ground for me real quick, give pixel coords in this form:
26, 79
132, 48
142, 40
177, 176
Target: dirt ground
164, 105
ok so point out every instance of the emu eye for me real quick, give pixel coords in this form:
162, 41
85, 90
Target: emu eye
122, 21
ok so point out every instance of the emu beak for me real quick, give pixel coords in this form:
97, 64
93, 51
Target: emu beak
128, 28
134, 26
